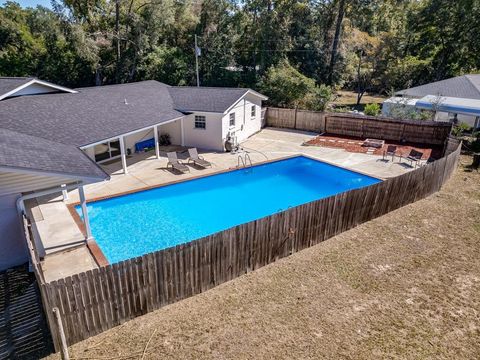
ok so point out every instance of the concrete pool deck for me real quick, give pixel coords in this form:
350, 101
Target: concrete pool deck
67, 254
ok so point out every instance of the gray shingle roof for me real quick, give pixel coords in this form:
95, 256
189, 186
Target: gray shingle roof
91, 115
466, 86
44, 132
207, 99
29, 152
8, 84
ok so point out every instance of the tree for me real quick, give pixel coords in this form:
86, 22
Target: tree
287, 87
360, 45
336, 39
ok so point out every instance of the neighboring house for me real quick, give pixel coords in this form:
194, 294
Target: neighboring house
51, 135
456, 100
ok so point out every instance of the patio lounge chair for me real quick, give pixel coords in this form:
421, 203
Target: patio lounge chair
196, 159
391, 151
414, 157
175, 163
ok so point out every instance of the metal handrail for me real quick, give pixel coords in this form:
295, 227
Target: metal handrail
238, 161
247, 157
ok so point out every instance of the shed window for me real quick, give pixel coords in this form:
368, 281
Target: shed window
232, 119
253, 111
200, 122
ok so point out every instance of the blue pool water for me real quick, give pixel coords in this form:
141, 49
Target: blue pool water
139, 223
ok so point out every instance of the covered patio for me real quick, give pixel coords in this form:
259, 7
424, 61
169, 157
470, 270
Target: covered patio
125, 148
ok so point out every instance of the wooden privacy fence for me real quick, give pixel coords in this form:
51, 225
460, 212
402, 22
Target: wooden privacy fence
97, 300
344, 124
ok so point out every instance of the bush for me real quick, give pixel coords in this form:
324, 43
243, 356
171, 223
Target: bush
460, 129
318, 98
164, 139
372, 109
287, 87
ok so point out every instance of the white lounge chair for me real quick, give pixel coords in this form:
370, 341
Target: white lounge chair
196, 159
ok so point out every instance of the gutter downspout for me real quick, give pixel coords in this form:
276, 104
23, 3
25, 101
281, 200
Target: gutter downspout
20, 202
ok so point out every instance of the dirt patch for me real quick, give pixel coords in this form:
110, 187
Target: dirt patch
355, 145
405, 285
349, 98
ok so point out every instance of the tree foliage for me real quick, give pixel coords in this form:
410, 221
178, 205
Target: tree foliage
287, 87
362, 45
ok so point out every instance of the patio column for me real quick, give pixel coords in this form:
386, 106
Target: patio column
182, 131
155, 133
83, 203
124, 155
64, 192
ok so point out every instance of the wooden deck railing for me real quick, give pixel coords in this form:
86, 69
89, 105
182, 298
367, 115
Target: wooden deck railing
97, 300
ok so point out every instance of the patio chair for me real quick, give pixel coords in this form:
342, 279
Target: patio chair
414, 157
391, 151
196, 159
175, 163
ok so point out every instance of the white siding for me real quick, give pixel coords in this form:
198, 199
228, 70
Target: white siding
132, 139
172, 129
13, 249
209, 138
14, 183
245, 125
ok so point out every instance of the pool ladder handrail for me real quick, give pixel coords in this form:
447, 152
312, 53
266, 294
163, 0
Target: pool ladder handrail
247, 157
244, 161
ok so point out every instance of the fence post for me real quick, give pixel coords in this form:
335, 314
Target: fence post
295, 118
322, 122
61, 334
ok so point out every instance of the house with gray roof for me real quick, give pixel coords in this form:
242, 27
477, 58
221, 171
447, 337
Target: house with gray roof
54, 136
464, 87
456, 100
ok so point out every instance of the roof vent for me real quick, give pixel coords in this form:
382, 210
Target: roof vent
125, 101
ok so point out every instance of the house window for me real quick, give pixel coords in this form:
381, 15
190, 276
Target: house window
200, 122
107, 150
232, 119
253, 111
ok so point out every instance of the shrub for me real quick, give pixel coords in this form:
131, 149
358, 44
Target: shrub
318, 98
287, 87
164, 139
372, 109
460, 129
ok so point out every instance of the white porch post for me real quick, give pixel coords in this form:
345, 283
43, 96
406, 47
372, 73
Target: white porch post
64, 192
86, 221
155, 133
182, 131
124, 156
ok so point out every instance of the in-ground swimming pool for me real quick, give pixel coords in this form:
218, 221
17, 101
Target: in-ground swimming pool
135, 224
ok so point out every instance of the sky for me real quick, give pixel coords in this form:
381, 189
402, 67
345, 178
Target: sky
31, 3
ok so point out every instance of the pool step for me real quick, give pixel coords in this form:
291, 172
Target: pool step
65, 247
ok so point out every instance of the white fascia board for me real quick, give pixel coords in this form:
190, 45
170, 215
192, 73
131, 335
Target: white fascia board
18, 170
192, 112
83, 147
256, 93
54, 86
40, 82
249, 91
